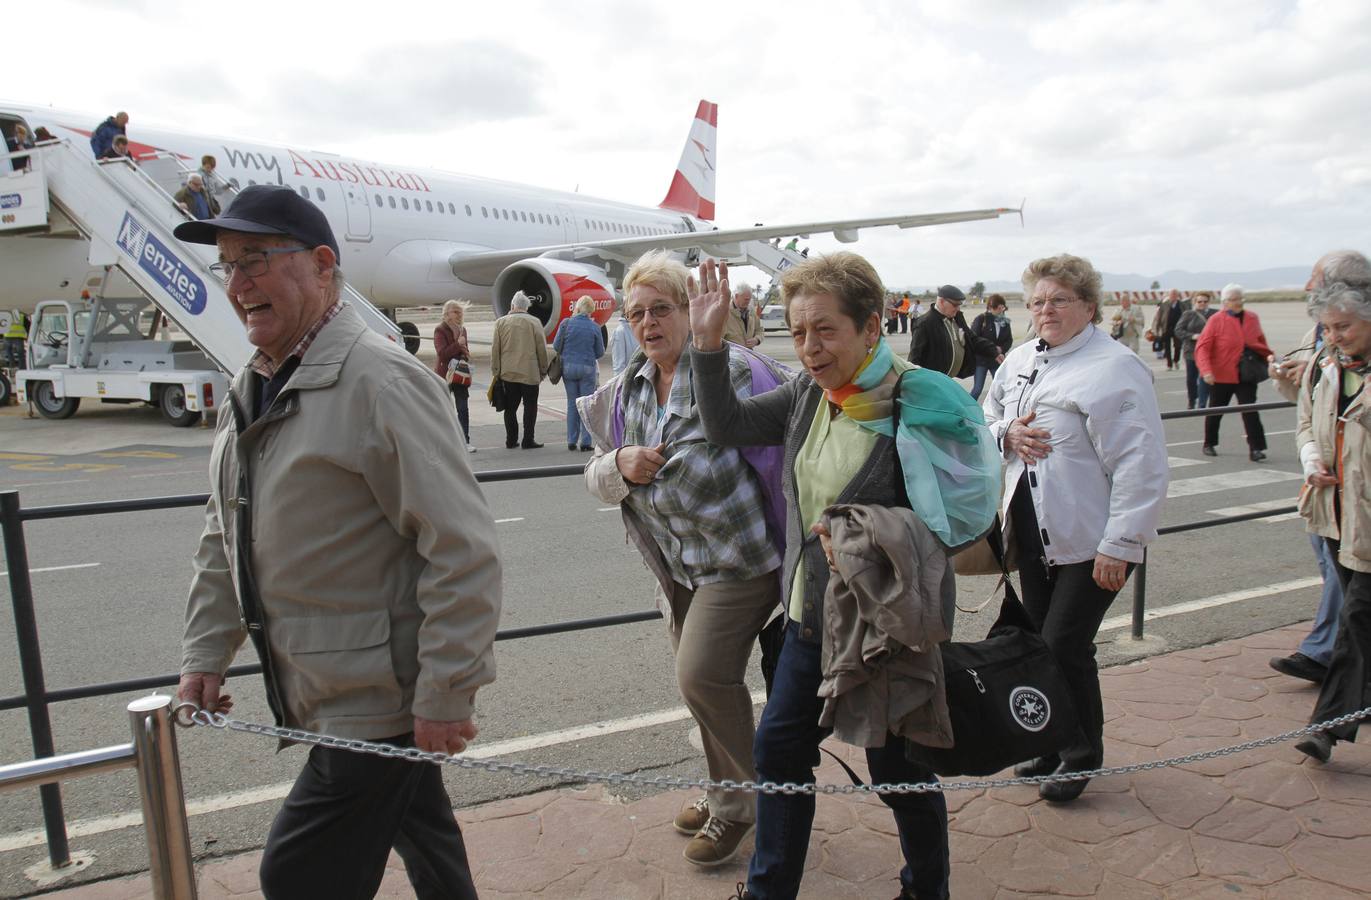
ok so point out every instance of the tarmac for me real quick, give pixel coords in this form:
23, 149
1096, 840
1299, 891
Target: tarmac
1264, 823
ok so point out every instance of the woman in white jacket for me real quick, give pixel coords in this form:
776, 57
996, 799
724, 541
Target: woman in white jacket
1076, 417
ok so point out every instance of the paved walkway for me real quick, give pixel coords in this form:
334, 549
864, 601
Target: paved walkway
1263, 824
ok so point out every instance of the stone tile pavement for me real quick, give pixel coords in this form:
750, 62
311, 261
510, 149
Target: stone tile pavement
1263, 824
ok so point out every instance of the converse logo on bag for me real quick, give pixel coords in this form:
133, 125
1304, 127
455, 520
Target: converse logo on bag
1030, 708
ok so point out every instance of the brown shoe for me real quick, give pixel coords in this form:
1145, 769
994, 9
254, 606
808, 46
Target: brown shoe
692, 818
717, 842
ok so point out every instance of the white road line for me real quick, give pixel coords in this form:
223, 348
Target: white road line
1257, 506
1180, 462
503, 521
608, 509
1190, 443
1228, 481
56, 568
1177, 609
23, 839
166, 474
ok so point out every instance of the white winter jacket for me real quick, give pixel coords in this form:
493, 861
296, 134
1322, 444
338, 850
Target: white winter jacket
1101, 488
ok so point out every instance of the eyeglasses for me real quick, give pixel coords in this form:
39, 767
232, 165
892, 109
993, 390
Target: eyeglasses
1058, 302
659, 311
253, 264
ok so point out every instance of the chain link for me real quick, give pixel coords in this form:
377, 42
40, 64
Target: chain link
670, 782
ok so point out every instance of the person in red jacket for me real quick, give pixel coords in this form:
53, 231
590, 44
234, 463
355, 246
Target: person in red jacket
1217, 352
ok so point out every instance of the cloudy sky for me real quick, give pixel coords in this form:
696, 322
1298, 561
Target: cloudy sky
1146, 136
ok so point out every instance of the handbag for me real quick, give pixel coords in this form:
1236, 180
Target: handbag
1007, 699
1252, 369
459, 372
1116, 332
988, 556
496, 394
554, 366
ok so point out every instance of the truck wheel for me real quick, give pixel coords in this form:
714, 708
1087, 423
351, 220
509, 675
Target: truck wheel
50, 406
173, 405
411, 333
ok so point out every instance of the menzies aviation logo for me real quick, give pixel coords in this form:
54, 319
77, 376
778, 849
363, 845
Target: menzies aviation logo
164, 266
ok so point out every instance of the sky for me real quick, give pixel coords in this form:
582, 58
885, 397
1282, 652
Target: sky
1145, 136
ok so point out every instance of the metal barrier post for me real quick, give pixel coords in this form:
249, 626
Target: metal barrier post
1139, 596
31, 665
164, 802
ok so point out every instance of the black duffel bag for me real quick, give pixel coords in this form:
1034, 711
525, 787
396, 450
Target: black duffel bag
1007, 697
1252, 367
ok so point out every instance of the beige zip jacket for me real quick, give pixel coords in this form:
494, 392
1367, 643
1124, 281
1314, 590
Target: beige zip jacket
1317, 439
373, 549
518, 351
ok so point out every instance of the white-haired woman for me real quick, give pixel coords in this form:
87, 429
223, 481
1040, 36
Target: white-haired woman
580, 343
450, 343
1335, 448
1225, 338
1076, 416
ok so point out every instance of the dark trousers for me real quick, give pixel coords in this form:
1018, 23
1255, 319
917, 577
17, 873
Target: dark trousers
787, 749
461, 395
1246, 392
1345, 686
343, 815
1196, 390
904, 322
1067, 606
527, 394
1171, 346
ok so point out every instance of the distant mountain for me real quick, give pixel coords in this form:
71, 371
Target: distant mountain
1283, 277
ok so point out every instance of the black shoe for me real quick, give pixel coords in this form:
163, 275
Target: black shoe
1040, 765
571, 447
1208, 450
510, 445
1190, 405
1318, 746
1256, 456
1297, 665
586, 448
1064, 791
532, 445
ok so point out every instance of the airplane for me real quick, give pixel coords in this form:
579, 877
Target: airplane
417, 237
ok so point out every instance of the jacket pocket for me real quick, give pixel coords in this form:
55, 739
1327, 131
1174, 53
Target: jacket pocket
339, 664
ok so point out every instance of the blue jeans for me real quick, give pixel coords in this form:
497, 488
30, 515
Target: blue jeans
979, 384
579, 381
787, 749
1196, 390
1318, 646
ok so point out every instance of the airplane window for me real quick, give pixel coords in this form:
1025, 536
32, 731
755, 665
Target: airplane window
556, 220
304, 192
523, 216
251, 182
392, 202
404, 202
505, 212
319, 192
379, 201
484, 214
428, 204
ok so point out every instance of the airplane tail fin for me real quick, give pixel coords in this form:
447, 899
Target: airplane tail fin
692, 188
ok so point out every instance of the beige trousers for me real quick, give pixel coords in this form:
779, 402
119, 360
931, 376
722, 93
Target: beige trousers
714, 630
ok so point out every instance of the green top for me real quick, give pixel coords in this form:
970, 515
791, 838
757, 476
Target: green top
833, 453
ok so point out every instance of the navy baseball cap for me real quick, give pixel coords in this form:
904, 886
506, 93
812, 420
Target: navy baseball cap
265, 209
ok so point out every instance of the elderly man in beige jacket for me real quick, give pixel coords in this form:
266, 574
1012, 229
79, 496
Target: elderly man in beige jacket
346, 536
518, 358
744, 325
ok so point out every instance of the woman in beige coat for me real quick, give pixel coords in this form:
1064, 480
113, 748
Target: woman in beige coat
1334, 438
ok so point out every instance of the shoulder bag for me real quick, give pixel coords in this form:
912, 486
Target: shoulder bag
459, 372
1252, 369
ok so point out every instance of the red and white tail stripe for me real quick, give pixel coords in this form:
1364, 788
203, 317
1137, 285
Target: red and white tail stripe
1153, 296
692, 188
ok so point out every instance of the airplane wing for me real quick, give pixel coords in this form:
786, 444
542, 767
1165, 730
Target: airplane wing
481, 267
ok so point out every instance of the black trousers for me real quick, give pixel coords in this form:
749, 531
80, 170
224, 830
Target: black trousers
1246, 392
527, 394
461, 395
1171, 346
1345, 686
343, 815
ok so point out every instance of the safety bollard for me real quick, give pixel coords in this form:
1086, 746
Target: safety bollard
164, 802
1139, 597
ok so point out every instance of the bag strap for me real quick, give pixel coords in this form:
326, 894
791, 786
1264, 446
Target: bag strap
855, 778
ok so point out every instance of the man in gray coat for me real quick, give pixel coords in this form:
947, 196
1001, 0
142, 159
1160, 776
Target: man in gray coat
345, 535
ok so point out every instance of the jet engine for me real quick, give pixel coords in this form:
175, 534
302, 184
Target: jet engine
553, 286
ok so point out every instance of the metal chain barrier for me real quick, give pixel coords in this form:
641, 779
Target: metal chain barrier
204, 718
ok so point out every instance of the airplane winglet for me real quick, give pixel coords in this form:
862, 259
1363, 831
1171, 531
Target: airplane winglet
1020, 211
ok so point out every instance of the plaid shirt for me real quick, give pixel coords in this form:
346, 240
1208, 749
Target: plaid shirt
263, 364
705, 508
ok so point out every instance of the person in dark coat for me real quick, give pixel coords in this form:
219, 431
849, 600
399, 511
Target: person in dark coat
993, 325
941, 340
118, 150
102, 139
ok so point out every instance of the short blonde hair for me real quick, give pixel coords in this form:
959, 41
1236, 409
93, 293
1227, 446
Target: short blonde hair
584, 307
1074, 272
845, 275
459, 305
657, 268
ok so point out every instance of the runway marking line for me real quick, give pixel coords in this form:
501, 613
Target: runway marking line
1176, 609
1191, 443
503, 521
1227, 481
55, 568
25, 457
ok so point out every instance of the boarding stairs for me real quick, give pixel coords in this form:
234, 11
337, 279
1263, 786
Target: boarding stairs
127, 213
769, 258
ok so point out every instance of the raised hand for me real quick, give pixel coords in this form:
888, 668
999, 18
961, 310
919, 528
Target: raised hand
710, 298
